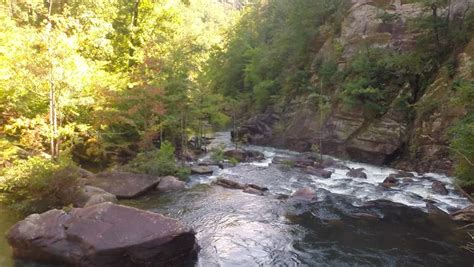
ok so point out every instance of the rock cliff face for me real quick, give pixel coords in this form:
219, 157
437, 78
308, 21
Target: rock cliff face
417, 142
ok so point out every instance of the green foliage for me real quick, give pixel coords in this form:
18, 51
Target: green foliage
462, 135
217, 153
268, 51
38, 184
388, 18
463, 145
159, 162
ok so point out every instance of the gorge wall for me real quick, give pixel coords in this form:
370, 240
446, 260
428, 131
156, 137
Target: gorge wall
416, 140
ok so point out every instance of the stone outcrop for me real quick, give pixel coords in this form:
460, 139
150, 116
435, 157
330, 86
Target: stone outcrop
102, 235
124, 184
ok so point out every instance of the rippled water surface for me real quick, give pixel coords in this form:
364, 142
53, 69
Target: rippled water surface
239, 229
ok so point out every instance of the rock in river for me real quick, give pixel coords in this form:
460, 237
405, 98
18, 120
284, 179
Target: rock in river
170, 183
439, 188
244, 155
102, 235
318, 172
201, 170
357, 173
228, 183
304, 194
247, 188
124, 184
390, 181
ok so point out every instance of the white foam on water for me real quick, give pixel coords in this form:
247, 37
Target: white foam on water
414, 193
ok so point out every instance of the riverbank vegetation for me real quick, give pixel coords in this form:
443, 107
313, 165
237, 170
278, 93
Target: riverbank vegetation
103, 82
114, 82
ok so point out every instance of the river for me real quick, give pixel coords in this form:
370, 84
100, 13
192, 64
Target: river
239, 229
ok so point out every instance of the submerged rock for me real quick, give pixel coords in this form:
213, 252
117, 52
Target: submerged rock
247, 188
242, 155
318, 172
357, 173
170, 183
102, 235
439, 188
228, 183
304, 194
390, 181
201, 170
402, 174
254, 191
124, 185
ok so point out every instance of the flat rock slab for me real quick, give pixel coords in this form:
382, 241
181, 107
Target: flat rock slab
102, 235
124, 185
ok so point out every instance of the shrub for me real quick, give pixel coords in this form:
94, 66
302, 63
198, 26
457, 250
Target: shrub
217, 153
462, 136
159, 162
462, 144
38, 184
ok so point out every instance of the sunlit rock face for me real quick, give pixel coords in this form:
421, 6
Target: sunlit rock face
102, 235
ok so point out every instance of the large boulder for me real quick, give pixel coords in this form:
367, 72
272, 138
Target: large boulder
124, 185
102, 235
170, 183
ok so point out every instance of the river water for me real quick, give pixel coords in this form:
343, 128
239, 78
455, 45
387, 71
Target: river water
239, 229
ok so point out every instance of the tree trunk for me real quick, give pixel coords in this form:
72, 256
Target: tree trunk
131, 49
53, 118
434, 10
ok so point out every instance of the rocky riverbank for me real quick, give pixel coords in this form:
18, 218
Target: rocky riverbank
105, 234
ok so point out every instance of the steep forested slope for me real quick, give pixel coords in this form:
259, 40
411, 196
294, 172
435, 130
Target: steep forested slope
384, 82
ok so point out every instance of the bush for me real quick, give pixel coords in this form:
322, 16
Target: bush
462, 136
217, 153
462, 144
159, 162
38, 184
